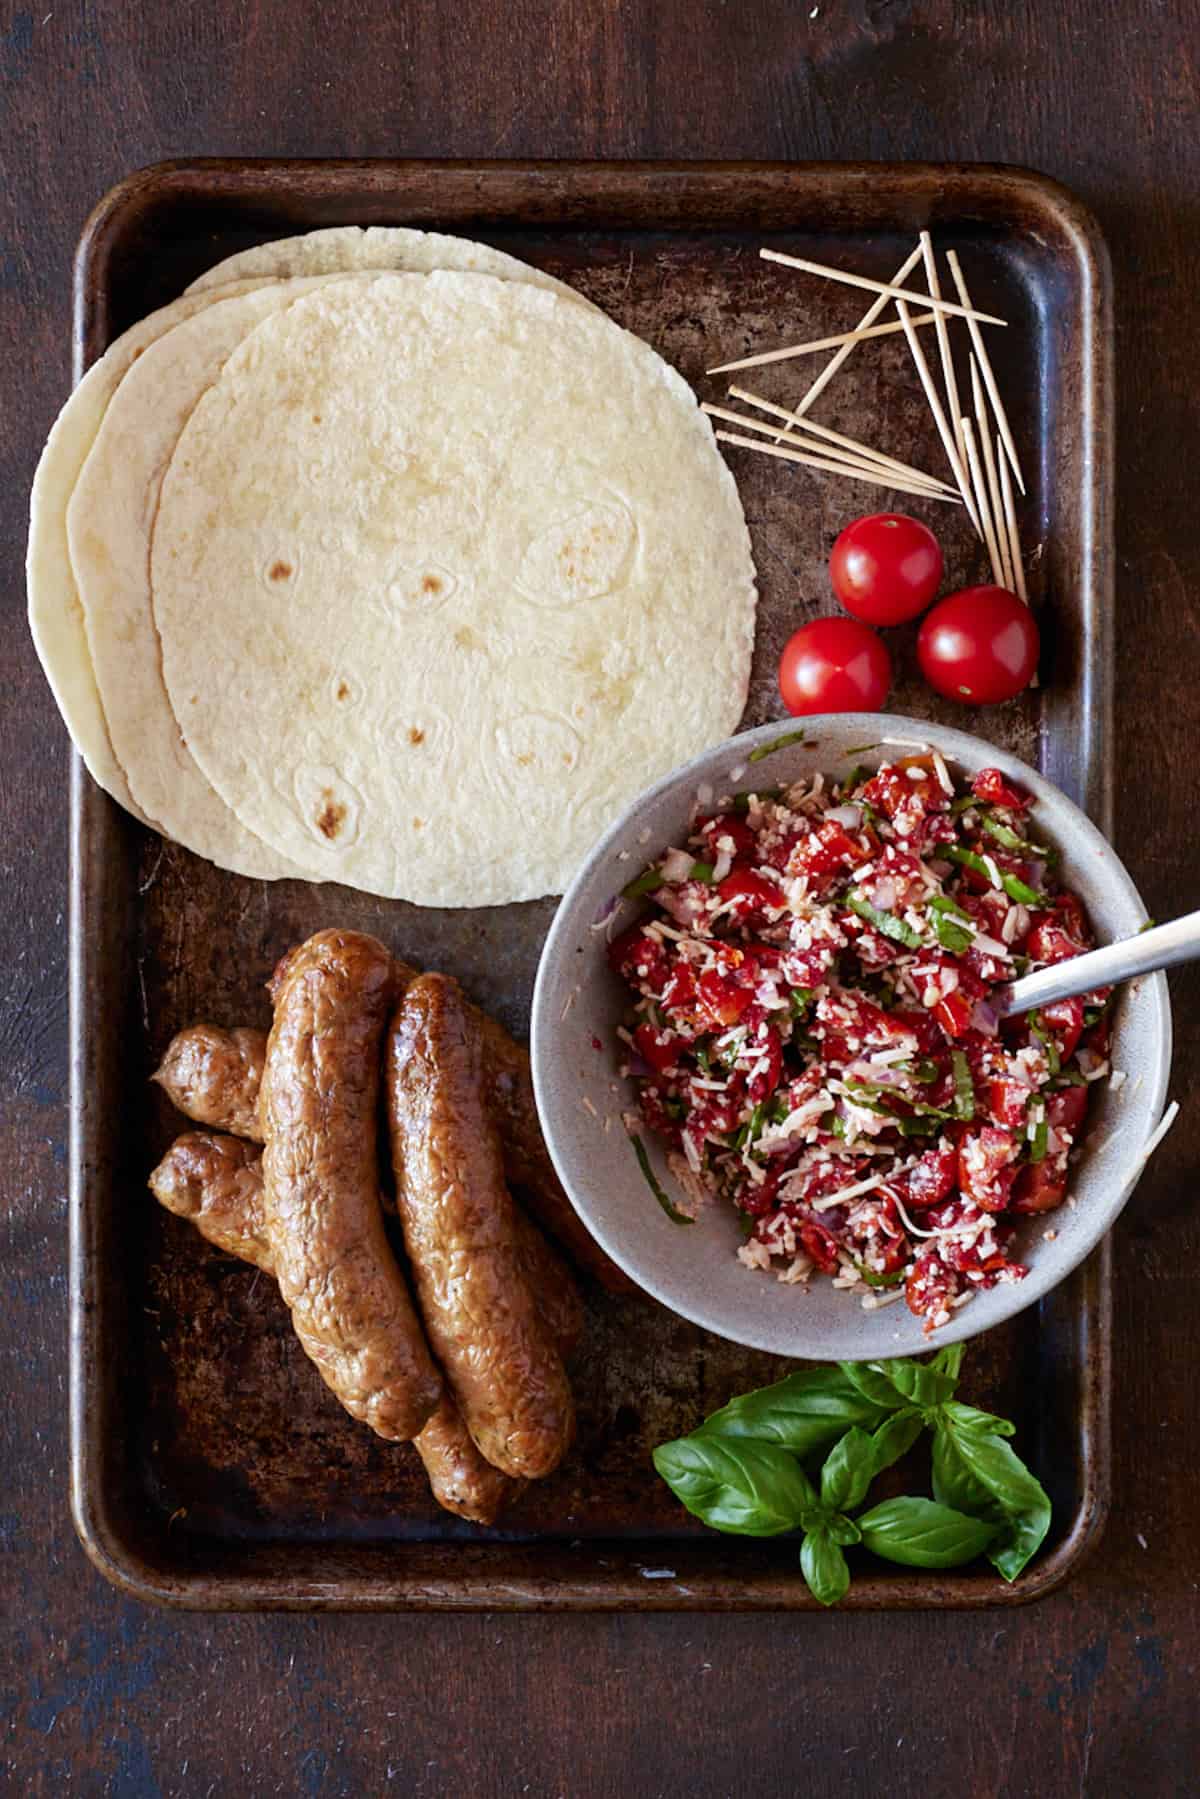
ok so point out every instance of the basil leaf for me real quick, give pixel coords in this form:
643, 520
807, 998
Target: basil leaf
655, 1186
803, 1412
1003, 834
873, 1383
649, 881
781, 743
982, 1473
951, 936
747, 1489
948, 1361
969, 1417
920, 1533
964, 1086
848, 1471
843, 1530
895, 1437
919, 1382
887, 922
824, 1568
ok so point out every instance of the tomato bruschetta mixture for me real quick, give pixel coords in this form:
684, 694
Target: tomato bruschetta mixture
811, 1035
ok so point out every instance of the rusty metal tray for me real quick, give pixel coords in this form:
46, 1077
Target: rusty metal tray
209, 1467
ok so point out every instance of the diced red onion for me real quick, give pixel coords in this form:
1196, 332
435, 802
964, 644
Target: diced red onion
848, 815
638, 1066
983, 1017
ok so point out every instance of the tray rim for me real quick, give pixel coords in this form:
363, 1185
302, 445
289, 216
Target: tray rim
91, 820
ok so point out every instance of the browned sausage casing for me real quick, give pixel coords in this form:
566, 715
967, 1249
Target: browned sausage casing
213, 1076
216, 1183
320, 1089
459, 1228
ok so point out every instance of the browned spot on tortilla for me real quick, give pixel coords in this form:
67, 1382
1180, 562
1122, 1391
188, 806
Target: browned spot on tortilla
330, 818
415, 735
316, 418
342, 690
431, 584
279, 571
417, 823
465, 638
526, 759
567, 758
137, 352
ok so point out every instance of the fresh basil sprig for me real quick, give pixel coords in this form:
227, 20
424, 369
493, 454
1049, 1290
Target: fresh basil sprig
741, 1470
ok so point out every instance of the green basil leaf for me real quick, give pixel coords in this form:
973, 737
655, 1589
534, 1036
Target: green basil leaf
951, 936
895, 1437
804, 1412
887, 922
655, 1185
981, 1473
781, 743
949, 1361
872, 1381
969, 1417
920, 1533
843, 1530
824, 1568
747, 1489
847, 1472
964, 1086
649, 881
919, 1382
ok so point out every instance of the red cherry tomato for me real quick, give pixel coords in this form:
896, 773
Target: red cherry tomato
979, 646
834, 665
886, 568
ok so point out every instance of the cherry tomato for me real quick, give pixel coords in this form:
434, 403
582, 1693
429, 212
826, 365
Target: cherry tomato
979, 646
834, 665
886, 568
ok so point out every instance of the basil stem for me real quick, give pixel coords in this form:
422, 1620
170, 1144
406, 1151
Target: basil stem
741, 801
1038, 1029
701, 871
663, 1198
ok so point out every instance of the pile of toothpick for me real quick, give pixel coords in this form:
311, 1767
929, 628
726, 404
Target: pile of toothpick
980, 450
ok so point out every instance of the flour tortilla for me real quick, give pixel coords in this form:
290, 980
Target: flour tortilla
342, 248
109, 520
55, 613
445, 570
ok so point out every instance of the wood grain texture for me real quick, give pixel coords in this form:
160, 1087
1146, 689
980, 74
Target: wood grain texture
1093, 1690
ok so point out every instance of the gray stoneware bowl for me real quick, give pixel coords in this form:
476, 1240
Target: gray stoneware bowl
693, 1269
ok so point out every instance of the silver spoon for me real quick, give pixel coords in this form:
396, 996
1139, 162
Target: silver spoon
1162, 947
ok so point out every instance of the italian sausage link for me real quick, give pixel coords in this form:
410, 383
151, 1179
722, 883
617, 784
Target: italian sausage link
213, 1075
459, 1228
336, 1271
216, 1183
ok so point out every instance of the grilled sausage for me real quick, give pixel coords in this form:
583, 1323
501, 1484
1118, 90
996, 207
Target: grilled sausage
216, 1183
212, 1076
458, 1221
320, 1087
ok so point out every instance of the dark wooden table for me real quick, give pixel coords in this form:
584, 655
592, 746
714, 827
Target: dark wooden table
1093, 1690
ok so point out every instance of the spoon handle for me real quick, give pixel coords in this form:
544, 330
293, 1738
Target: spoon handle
1161, 947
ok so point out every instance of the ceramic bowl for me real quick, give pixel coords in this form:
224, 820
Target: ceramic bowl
578, 1004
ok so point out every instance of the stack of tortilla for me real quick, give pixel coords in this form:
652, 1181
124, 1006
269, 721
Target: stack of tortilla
380, 557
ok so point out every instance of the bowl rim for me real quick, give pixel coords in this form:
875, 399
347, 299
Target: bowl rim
1005, 1301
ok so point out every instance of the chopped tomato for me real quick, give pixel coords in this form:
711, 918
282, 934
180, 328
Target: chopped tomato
1008, 1102
728, 824
930, 1288
827, 851
641, 959
1067, 1109
932, 1180
661, 1049
721, 1000
996, 789
1060, 933
1040, 1186
766, 1046
752, 895
1063, 1021
820, 1247
954, 1013
986, 1167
